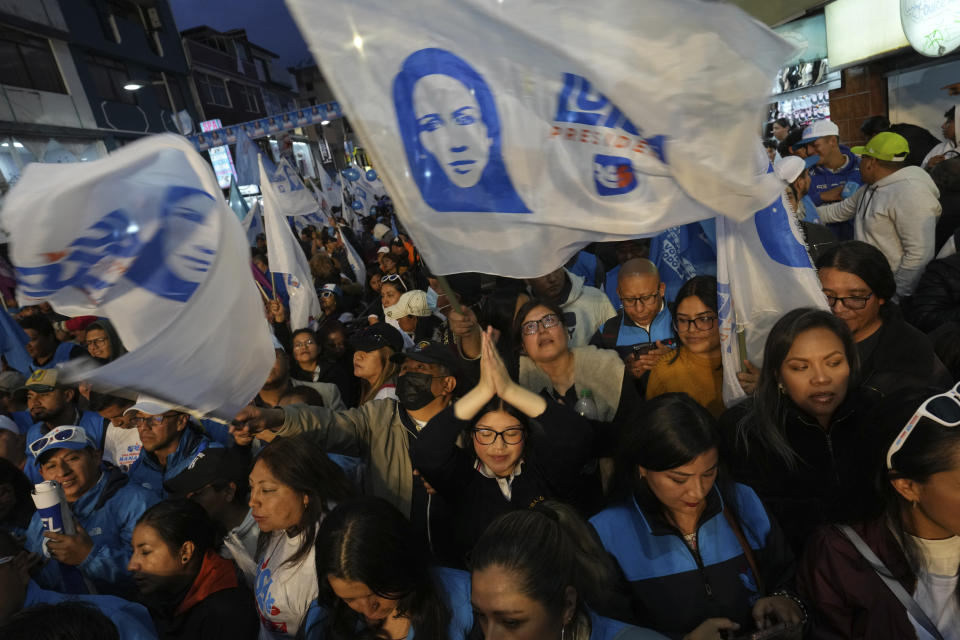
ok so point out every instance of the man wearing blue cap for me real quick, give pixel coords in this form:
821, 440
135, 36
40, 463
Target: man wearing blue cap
105, 505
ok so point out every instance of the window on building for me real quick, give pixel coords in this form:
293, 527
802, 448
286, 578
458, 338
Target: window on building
109, 76
213, 90
262, 71
252, 101
28, 61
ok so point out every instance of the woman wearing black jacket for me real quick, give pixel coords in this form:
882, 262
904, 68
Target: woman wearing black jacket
512, 464
800, 441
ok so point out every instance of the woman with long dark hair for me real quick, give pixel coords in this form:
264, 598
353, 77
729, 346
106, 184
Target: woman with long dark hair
293, 486
190, 590
542, 574
509, 464
377, 581
914, 540
694, 368
684, 533
799, 440
860, 287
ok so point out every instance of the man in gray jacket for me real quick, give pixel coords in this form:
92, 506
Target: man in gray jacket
380, 432
896, 210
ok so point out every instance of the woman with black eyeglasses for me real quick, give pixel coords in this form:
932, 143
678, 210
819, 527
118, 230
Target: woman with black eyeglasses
513, 462
859, 285
694, 368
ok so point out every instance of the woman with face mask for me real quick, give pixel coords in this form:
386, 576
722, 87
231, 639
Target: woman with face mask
701, 553
191, 591
859, 286
799, 440
511, 463
914, 538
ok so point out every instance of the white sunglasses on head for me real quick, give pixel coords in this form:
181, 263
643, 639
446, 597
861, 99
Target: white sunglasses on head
943, 408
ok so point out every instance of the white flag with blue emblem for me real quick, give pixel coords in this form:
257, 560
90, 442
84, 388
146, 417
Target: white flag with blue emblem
285, 255
763, 271
144, 237
510, 134
292, 196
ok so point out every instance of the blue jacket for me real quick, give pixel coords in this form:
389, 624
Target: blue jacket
606, 629
147, 472
620, 332
454, 589
64, 351
108, 512
823, 179
674, 590
132, 620
91, 422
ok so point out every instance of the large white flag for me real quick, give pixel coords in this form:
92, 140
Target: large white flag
763, 271
509, 134
292, 196
329, 189
286, 256
145, 238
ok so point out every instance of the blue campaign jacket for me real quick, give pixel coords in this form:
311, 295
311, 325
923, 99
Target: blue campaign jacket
621, 334
108, 512
823, 179
606, 629
673, 591
132, 620
454, 588
91, 422
147, 472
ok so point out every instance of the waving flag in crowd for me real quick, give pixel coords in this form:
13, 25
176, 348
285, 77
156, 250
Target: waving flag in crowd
681, 253
763, 271
508, 140
150, 244
286, 256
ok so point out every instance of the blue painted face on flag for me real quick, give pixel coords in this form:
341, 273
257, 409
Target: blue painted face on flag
172, 264
451, 133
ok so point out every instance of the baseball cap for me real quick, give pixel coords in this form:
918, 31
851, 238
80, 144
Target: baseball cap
331, 288
65, 437
213, 464
431, 353
7, 424
41, 380
383, 250
411, 303
819, 129
380, 230
378, 335
10, 381
887, 146
150, 406
789, 169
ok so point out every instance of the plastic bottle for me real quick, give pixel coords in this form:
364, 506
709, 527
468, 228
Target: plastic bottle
53, 508
586, 407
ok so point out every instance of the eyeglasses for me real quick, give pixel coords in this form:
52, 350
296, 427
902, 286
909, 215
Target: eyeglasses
943, 408
96, 342
548, 321
304, 344
150, 421
394, 278
60, 434
702, 323
854, 303
326, 293
643, 300
487, 437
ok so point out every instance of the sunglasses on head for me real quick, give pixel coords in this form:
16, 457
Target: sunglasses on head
394, 278
63, 435
943, 408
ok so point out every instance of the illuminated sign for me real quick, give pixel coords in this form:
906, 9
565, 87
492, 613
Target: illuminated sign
931, 26
220, 156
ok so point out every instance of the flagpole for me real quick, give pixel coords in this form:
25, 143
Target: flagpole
451, 296
273, 282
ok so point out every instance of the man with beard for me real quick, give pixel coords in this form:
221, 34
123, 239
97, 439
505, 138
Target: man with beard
381, 433
52, 405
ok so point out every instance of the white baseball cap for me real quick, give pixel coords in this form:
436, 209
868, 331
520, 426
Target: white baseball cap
819, 129
411, 303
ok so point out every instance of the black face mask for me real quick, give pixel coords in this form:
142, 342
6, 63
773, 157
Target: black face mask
413, 390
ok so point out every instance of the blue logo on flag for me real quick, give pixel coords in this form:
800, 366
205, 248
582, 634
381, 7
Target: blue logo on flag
613, 175
777, 238
450, 129
170, 265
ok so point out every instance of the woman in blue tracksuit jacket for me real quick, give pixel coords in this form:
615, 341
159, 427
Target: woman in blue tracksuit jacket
691, 546
106, 506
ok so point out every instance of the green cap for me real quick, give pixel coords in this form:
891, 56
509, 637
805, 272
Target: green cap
888, 146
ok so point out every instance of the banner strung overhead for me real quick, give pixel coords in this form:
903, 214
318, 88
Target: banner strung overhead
508, 136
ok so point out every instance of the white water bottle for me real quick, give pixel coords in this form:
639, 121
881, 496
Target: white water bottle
586, 407
53, 509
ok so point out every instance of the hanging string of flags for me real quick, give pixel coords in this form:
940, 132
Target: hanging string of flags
270, 125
